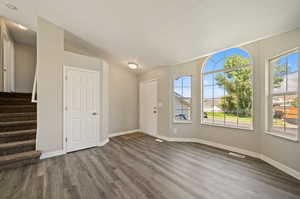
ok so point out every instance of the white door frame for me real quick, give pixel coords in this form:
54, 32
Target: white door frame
65, 103
145, 82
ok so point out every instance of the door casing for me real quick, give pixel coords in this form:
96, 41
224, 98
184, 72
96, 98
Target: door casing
65, 104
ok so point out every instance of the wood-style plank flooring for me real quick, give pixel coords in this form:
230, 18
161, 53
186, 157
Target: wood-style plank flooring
142, 168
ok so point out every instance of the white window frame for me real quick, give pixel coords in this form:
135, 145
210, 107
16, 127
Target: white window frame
174, 105
269, 96
226, 70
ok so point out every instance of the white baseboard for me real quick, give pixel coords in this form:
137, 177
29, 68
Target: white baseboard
52, 154
213, 144
123, 133
102, 143
281, 166
264, 158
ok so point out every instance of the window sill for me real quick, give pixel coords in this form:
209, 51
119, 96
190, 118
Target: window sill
182, 122
222, 126
280, 135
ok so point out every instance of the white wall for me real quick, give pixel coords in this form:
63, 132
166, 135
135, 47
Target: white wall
51, 56
25, 63
123, 87
283, 151
123, 100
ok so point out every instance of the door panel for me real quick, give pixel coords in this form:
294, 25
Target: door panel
82, 102
148, 107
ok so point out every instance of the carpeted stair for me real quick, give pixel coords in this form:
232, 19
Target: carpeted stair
17, 130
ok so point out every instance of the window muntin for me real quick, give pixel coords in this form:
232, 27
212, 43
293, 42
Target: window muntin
182, 98
227, 90
283, 95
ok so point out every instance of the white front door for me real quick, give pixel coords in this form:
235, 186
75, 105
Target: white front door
81, 108
148, 107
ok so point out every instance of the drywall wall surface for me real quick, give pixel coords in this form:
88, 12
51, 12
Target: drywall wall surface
121, 87
123, 100
25, 64
281, 150
50, 57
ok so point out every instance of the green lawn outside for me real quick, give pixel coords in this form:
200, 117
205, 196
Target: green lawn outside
244, 119
229, 117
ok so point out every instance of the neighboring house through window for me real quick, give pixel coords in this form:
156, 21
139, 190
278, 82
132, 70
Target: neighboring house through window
182, 98
227, 89
283, 95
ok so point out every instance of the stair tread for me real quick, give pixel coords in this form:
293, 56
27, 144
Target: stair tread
17, 122
16, 133
19, 156
17, 144
16, 105
17, 114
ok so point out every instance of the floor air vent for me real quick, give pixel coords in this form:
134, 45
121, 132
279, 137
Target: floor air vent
236, 155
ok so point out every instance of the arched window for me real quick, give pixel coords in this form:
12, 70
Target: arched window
227, 89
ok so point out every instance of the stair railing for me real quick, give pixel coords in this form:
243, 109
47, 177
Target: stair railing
34, 89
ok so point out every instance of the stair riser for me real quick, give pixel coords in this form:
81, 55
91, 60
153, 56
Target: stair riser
15, 102
18, 110
18, 118
17, 138
17, 127
19, 164
22, 149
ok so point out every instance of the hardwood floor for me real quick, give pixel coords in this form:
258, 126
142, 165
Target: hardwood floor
141, 168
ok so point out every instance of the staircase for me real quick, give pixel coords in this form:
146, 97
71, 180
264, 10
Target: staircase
17, 130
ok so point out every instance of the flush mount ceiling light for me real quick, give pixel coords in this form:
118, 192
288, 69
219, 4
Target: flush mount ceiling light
11, 6
22, 27
133, 65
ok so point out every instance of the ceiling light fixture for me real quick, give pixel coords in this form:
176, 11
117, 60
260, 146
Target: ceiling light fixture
11, 6
132, 65
22, 27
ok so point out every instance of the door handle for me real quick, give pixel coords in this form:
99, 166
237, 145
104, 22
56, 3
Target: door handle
94, 113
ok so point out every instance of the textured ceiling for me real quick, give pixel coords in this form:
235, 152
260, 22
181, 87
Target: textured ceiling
162, 32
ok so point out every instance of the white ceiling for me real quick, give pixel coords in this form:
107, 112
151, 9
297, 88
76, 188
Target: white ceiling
162, 32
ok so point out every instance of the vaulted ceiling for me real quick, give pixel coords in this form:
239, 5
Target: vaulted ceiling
162, 32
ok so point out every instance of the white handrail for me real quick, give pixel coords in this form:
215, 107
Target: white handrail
34, 93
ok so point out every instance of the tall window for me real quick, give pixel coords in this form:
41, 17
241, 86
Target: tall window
283, 95
182, 98
227, 89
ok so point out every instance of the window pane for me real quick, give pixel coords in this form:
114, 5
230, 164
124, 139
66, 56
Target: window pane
291, 114
230, 110
219, 78
208, 79
219, 115
220, 64
182, 98
221, 94
208, 111
292, 76
278, 113
209, 66
279, 75
208, 92
245, 120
